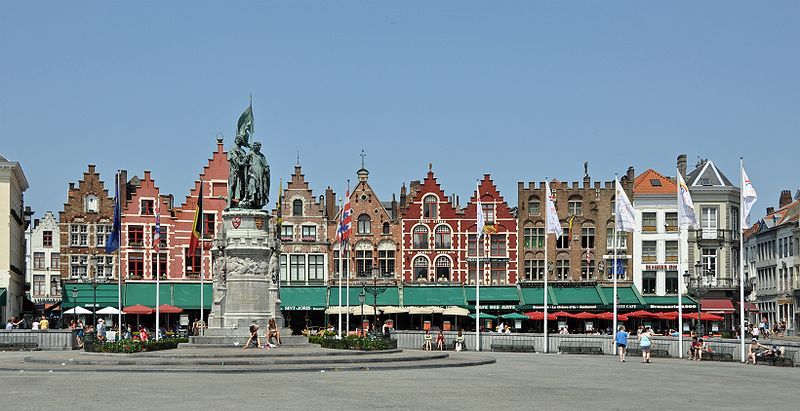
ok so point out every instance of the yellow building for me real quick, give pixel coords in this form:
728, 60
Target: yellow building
12, 238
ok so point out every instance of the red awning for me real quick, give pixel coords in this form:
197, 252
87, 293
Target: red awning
138, 309
642, 314
704, 317
717, 305
750, 307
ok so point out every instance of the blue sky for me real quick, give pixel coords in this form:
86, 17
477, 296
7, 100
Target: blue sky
518, 89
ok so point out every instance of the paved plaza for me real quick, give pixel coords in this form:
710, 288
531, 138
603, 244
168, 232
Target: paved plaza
515, 381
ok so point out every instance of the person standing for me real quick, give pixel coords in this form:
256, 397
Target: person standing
440, 341
44, 324
35, 324
428, 339
621, 340
459, 343
101, 330
645, 341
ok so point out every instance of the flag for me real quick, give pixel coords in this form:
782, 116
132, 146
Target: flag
112, 243
620, 267
197, 225
245, 126
157, 230
481, 223
569, 231
345, 228
553, 224
686, 214
623, 210
749, 197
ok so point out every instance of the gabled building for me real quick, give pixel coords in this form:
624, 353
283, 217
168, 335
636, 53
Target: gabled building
12, 238
44, 267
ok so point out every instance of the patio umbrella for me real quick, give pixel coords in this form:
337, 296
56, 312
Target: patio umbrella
393, 310
138, 309
77, 311
169, 309
514, 316
562, 314
585, 316
457, 311
420, 310
108, 311
539, 316
672, 315
334, 310
484, 316
704, 317
610, 316
642, 314
368, 310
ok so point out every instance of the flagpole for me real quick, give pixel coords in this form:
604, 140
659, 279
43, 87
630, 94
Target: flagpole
616, 246
347, 284
158, 266
479, 266
546, 260
680, 274
341, 265
200, 241
119, 266
741, 259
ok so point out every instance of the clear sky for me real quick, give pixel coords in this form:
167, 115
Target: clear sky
518, 89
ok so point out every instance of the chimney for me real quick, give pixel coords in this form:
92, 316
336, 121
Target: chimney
630, 177
403, 195
394, 207
786, 198
123, 186
330, 203
682, 165
770, 210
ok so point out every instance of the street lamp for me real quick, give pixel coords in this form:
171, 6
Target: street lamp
361, 301
697, 286
75, 304
94, 260
376, 290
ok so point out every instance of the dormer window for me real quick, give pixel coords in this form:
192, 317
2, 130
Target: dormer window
91, 204
430, 207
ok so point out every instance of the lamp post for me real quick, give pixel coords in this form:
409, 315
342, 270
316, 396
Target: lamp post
75, 304
697, 286
94, 259
376, 290
361, 297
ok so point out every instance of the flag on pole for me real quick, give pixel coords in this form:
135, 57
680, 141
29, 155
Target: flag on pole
197, 226
157, 229
481, 222
112, 243
553, 224
749, 197
344, 229
686, 214
569, 231
623, 211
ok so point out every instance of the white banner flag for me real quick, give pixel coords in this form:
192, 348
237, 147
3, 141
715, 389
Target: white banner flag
479, 212
624, 210
686, 214
553, 224
749, 197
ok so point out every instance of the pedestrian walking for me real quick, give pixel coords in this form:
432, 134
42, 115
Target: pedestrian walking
622, 342
645, 341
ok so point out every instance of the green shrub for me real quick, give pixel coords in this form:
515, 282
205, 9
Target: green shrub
354, 342
133, 346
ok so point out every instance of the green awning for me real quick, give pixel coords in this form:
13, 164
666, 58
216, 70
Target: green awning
304, 298
107, 295
628, 297
2, 296
668, 302
533, 297
185, 295
495, 297
578, 298
389, 297
435, 295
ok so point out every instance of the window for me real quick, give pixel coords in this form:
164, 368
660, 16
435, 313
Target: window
47, 238
442, 237
297, 207
671, 221
622, 238
621, 269
146, 207
534, 270
284, 268
386, 261
364, 224
649, 251
104, 266
710, 261
386, 228
91, 204
442, 268
587, 270
39, 286
735, 219
648, 282
575, 207
309, 232
102, 232
488, 213
672, 282
498, 245
135, 265
562, 270
78, 235
563, 241
709, 222
364, 263
338, 261
297, 267
498, 273
159, 269
649, 222
135, 235
475, 246
421, 237
55, 287
55, 261
472, 272
316, 267
534, 206
287, 232
671, 252
534, 237
209, 225
77, 265
420, 268
192, 262
430, 207
587, 237
38, 261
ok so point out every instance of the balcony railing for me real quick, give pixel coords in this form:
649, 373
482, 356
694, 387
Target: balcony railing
719, 235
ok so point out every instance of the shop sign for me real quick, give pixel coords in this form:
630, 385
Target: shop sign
660, 267
302, 308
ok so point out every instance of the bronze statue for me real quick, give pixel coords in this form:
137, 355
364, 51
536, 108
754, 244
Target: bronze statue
237, 179
249, 179
257, 178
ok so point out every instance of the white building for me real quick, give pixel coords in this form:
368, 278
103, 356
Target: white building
12, 238
657, 245
44, 262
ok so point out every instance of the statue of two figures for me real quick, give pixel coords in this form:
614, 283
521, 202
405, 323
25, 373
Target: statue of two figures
248, 182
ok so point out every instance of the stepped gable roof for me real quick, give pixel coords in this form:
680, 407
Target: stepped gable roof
706, 174
653, 182
429, 186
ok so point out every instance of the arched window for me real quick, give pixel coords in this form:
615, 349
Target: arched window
442, 237
386, 228
420, 269
421, 237
363, 259
430, 207
442, 268
364, 224
297, 207
386, 251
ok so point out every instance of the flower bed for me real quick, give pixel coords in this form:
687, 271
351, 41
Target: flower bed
133, 346
354, 342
